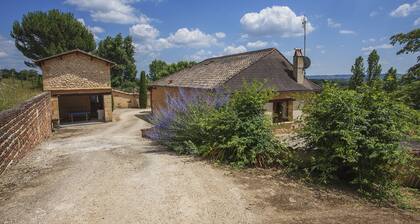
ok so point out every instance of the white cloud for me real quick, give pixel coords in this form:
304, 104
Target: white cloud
10, 56
382, 46
319, 46
3, 54
234, 50
144, 31
200, 55
405, 9
417, 22
323, 51
257, 44
347, 32
93, 29
331, 23
191, 38
111, 11
220, 35
276, 20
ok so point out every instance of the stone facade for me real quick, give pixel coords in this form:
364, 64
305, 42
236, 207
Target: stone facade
24, 127
75, 71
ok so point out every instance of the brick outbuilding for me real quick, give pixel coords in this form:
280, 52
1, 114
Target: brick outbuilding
80, 86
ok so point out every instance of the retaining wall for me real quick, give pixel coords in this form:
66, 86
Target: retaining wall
23, 127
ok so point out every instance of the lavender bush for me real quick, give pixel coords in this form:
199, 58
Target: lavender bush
227, 127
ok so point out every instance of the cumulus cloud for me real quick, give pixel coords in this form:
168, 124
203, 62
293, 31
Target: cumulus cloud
382, 46
200, 55
405, 9
110, 11
93, 29
146, 31
331, 23
220, 35
191, 38
149, 41
276, 20
346, 32
234, 50
257, 44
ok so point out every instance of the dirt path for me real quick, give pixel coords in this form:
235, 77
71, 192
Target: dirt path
106, 173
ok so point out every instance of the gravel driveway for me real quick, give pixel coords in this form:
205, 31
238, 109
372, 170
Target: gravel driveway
107, 173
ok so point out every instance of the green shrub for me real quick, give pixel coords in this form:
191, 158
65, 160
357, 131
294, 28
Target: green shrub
228, 128
354, 136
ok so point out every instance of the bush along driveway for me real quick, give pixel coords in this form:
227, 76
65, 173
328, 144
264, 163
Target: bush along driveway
107, 173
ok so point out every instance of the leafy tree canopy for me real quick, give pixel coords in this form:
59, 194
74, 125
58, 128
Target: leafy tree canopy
160, 69
120, 50
374, 68
358, 70
410, 44
42, 34
390, 80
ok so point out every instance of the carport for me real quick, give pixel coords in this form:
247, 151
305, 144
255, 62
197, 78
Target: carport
81, 108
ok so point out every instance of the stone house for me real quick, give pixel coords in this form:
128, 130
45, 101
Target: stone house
80, 86
268, 66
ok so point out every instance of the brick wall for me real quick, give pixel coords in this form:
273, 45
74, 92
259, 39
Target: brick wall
24, 127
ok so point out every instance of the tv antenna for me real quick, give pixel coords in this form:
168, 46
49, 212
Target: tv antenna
304, 21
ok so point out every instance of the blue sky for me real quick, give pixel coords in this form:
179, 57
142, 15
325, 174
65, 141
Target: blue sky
170, 30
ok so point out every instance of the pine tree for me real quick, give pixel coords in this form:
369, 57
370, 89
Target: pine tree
390, 80
374, 68
143, 90
358, 70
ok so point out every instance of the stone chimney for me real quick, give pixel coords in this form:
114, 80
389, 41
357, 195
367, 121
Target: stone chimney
298, 66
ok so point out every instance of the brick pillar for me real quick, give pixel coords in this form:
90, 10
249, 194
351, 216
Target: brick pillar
108, 107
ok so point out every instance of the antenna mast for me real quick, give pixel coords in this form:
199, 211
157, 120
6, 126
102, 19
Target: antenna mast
304, 34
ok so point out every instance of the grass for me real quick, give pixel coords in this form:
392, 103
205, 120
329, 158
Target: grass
14, 92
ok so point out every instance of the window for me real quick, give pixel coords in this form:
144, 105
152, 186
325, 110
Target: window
280, 111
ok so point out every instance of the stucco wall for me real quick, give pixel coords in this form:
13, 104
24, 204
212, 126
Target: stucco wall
75, 71
24, 127
159, 95
125, 100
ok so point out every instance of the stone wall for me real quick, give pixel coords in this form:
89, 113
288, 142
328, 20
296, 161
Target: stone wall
76, 71
125, 100
24, 127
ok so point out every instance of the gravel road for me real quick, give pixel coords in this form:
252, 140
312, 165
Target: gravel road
107, 173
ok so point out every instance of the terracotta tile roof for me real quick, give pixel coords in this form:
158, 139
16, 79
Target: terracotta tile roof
267, 65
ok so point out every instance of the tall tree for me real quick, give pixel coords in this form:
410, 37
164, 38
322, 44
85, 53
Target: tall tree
160, 69
374, 68
358, 70
121, 51
411, 45
390, 80
42, 34
143, 90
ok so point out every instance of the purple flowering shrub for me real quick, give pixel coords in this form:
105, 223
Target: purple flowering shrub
223, 126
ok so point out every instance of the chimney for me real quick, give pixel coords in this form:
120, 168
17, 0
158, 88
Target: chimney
298, 66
